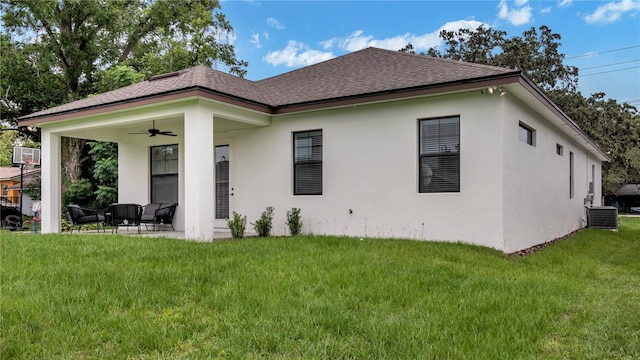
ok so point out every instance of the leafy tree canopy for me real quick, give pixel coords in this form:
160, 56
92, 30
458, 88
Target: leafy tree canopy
536, 53
71, 42
56, 51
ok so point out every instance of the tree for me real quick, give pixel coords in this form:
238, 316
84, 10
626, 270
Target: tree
7, 141
116, 77
27, 83
477, 46
104, 171
92, 35
539, 56
615, 127
82, 47
535, 54
10, 137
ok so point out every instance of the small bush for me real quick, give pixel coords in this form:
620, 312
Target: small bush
293, 221
65, 225
263, 225
237, 224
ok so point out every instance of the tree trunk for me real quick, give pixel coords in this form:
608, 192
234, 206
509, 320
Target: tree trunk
71, 153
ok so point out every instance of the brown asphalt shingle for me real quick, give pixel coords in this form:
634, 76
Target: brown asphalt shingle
363, 72
370, 71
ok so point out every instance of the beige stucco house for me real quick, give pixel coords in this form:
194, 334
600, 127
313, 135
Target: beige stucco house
374, 143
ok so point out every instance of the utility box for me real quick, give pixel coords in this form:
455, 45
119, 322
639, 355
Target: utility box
602, 217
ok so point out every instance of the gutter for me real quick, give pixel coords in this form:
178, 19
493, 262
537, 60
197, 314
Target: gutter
542, 97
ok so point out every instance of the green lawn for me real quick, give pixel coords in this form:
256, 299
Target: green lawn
117, 297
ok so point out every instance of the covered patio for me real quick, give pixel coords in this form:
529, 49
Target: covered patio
149, 169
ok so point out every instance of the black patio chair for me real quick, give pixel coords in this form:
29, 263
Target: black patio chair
124, 215
82, 216
11, 222
158, 214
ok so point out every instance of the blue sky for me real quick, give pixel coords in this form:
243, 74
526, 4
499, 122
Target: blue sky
601, 38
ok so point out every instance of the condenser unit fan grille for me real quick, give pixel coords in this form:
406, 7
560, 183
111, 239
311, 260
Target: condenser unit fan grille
602, 217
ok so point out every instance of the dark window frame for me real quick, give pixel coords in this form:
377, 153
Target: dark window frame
165, 175
559, 150
531, 134
571, 175
444, 154
298, 189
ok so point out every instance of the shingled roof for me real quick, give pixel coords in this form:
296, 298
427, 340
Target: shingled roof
371, 71
362, 73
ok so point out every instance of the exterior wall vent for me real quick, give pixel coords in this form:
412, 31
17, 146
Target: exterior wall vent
602, 217
167, 75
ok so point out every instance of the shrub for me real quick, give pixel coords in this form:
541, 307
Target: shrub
293, 221
65, 225
237, 224
263, 225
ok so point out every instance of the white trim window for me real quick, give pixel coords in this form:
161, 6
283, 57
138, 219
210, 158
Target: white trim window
164, 174
439, 155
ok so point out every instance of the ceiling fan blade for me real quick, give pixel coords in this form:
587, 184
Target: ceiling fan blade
153, 131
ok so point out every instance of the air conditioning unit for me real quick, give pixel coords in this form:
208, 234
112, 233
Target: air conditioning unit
602, 217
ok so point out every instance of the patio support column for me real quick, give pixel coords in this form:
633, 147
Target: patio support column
50, 183
199, 171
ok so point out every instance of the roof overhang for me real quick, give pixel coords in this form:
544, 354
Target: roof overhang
397, 94
524, 89
145, 101
536, 99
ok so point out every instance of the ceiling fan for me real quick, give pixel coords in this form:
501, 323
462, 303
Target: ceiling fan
153, 131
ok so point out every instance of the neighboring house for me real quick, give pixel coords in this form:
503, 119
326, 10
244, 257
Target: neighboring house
627, 199
374, 143
10, 187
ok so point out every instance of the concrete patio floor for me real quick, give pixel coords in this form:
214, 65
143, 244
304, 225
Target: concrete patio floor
219, 234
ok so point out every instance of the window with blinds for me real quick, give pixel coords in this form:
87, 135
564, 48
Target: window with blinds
307, 163
164, 174
439, 158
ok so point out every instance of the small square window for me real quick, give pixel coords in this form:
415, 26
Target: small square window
559, 149
527, 135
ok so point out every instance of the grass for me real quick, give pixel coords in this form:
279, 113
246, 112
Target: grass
115, 297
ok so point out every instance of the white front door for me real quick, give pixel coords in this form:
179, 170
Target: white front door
223, 182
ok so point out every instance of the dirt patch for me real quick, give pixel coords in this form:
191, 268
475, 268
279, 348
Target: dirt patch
539, 247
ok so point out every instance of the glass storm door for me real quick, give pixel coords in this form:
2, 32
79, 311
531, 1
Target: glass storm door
224, 191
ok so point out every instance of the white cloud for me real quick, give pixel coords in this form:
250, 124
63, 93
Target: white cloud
564, 3
612, 11
521, 2
296, 54
358, 40
546, 10
275, 23
255, 40
519, 16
